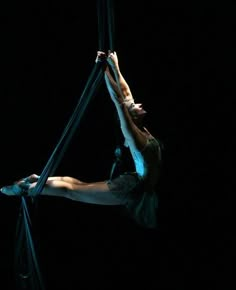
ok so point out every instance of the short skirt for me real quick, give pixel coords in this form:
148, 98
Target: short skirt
140, 204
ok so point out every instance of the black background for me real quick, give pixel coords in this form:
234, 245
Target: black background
179, 61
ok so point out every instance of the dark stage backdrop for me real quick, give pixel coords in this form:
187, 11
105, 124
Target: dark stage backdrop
178, 60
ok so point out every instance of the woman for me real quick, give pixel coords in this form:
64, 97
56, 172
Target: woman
134, 191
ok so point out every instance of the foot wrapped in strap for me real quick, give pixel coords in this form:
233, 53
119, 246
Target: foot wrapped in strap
21, 187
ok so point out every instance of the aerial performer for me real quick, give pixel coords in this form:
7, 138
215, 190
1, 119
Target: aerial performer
135, 190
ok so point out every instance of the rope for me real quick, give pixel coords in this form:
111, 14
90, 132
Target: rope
89, 91
110, 24
106, 19
101, 24
26, 264
27, 269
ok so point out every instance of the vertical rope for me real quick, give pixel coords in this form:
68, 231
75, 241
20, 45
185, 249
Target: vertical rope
106, 21
26, 264
110, 23
101, 24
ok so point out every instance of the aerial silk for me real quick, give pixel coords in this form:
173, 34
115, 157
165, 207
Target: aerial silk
28, 274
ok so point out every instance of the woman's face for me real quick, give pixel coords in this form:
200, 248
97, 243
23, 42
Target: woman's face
137, 111
137, 114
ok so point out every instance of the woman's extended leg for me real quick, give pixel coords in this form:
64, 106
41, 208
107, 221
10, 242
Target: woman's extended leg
68, 187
